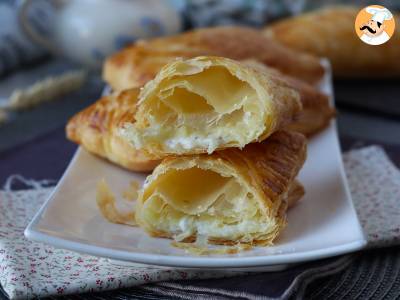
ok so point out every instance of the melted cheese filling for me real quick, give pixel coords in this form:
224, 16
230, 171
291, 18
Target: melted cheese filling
201, 202
204, 110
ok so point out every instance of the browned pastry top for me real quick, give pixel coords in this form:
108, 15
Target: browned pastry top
330, 33
140, 62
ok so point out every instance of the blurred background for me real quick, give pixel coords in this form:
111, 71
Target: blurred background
51, 54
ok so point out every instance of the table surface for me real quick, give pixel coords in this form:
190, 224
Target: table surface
33, 145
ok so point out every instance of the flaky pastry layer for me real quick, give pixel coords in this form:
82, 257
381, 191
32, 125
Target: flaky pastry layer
95, 128
232, 196
317, 110
207, 103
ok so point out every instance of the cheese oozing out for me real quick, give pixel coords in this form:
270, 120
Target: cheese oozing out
205, 110
198, 201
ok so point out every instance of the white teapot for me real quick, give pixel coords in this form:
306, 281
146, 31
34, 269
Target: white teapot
86, 31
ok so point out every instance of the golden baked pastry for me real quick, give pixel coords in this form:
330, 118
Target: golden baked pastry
230, 197
137, 64
207, 103
107, 202
296, 192
330, 33
317, 111
95, 128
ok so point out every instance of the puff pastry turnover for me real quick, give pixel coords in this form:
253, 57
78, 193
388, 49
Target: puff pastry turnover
207, 103
330, 33
229, 197
95, 128
317, 111
137, 64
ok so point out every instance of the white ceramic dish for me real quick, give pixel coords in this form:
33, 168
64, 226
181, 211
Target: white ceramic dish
323, 224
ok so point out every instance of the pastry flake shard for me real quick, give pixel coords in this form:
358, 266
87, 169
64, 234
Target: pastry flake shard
107, 204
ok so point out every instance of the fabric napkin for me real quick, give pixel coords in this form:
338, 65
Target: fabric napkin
375, 189
29, 269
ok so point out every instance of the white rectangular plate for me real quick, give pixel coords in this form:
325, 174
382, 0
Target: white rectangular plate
322, 224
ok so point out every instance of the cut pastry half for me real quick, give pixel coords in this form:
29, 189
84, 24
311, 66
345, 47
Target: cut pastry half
207, 103
139, 63
95, 128
230, 197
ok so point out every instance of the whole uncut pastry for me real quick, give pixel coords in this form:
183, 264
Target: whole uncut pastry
95, 128
330, 33
139, 63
